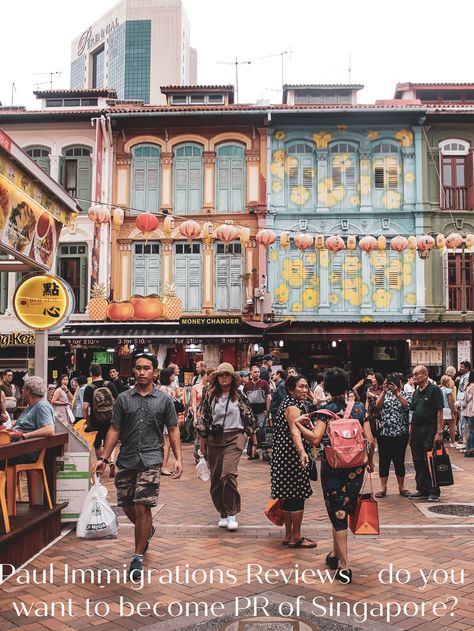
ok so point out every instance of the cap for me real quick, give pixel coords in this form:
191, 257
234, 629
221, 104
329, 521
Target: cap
244, 373
267, 357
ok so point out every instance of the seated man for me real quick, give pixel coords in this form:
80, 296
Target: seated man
37, 421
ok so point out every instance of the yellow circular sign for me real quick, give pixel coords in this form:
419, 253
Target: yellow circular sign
42, 302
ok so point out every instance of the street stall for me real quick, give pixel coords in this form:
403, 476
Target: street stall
33, 210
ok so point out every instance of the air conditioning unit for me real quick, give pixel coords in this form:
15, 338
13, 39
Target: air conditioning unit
262, 302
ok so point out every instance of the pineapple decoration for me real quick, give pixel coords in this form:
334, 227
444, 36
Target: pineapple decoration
98, 303
172, 305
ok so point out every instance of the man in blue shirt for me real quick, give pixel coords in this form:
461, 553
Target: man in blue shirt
37, 421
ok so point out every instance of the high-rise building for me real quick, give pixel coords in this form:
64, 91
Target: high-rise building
135, 48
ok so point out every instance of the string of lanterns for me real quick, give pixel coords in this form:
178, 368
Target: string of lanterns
190, 229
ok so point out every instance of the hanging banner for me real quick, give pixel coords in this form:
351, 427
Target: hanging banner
42, 302
97, 197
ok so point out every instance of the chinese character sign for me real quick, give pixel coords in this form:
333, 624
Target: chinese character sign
42, 302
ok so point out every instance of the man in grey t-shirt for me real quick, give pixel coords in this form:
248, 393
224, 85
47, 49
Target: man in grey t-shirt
139, 417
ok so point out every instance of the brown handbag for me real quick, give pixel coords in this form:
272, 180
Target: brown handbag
365, 520
274, 512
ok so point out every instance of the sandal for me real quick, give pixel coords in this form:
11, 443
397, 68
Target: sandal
381, 494
304, 542
285, 542
405, 493
166, 473
332, 562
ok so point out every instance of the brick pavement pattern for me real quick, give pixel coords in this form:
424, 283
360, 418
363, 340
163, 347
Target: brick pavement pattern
188, 538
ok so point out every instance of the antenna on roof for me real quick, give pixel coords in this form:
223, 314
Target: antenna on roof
46, 74
350, 69
13, 90
235, 63
282, 55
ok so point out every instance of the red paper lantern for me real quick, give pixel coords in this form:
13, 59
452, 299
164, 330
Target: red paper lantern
368, 243
147, 223
265, 237
99, 214
453, 241
303, 241
244, 236
190, 229
399, 243
335, 243
425, 243
227, 233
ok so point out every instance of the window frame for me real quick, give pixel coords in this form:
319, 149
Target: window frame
147, 191
312, 201
81, 299
230, 189
188, 208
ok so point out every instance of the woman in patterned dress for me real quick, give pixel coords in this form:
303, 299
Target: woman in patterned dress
62, 399
290, 462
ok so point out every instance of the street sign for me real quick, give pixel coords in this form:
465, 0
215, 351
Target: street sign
42, 302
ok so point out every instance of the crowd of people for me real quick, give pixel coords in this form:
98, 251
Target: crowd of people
278, 416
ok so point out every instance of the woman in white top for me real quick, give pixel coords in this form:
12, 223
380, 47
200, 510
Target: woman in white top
449, 411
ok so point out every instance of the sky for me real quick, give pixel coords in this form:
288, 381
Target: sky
381, 42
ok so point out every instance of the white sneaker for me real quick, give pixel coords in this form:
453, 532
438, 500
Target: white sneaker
232, 523
459, 445
223, 522
452, 444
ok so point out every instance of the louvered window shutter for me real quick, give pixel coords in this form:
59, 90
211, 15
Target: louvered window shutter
379, 177
194, 283
307, 176
153, 274
237, 185
83, 184
392, 173
235, 282
336, 174
223, 182
222, 282
138, 183
180, 269
337, 273
195, 171
139, 275
152, 184
180, 185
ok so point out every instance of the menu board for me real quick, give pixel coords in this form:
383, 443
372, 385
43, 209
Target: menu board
25, 226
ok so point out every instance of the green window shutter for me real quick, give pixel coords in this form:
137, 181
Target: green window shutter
180, 274
237, 190
139, 275
235, 303
153, 275
145, 187
83, 188
194, 283
223, 184
222, 282
138, 183
152, 186
146, 277
83, 293
195, 177
180, 185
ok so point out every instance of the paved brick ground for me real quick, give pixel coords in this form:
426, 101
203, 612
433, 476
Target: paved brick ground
188, 538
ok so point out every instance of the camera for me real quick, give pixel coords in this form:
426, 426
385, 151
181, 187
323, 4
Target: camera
216, 429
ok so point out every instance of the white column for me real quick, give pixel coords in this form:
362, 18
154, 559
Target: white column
41, 355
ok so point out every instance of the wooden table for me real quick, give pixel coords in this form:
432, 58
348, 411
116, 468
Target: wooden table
33, 527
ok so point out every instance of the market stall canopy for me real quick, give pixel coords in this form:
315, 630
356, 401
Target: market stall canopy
33, 210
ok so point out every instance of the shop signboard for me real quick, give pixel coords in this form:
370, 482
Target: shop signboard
42, 302
209, 320
464, 351
16, 339
72, 483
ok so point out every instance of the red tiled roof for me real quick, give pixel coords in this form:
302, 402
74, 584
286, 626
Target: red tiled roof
331, 86
181, 88
43, 94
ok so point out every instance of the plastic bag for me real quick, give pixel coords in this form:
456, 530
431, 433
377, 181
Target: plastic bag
97, 520
202, 468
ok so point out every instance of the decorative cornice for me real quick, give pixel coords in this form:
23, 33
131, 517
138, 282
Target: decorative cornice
166, 157
125, 246
123, 158
209, 157
252, 155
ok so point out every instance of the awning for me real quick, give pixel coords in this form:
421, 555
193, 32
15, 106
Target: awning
373, 331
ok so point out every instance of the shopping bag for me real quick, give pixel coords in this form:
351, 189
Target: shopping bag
202, 469
274, 512
365, 520
439, 466
97, 520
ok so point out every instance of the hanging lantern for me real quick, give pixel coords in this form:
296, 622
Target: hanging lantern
469, 240
118, 216
168, 226
425, 243
227, 233
399, 243
303, 241
146, 223
351, 242
440, 241
265, 237
207, 230
368, 243
335, 243
190, 229
453, 241
285, 239
319, 242
412, 243
382, 243
99, 214
244, 236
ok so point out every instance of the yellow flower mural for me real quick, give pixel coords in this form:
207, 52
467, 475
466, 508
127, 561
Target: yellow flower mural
309, 173
367, 318
409, 177
342, 161
279, 156
391, 199
333, 299
405, 136
354, 290
282, 293
354, 200
351, 264
410, 299
310, 298
365, 184
382, 298
277, 187
294, 272
290, 163
313, 280
335, 196
277, 169
409, 256
322, 139
279, 135
273, 255
378, 258
299, 195
372, 135
296, 306
311, 258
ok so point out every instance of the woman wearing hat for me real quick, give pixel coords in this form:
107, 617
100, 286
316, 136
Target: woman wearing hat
226, 421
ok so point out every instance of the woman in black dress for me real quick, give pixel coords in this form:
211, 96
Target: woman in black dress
290, 462
341, 487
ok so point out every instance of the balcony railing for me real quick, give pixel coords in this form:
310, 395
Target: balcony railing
455, 198
455, 298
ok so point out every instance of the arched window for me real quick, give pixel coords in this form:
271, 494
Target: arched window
344, 176
40, 155
456, 174
145, 184
72, 264
300, 176
187, 179
76, 173
386, 175
230, 178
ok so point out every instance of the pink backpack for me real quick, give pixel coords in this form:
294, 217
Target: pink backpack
347, 447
